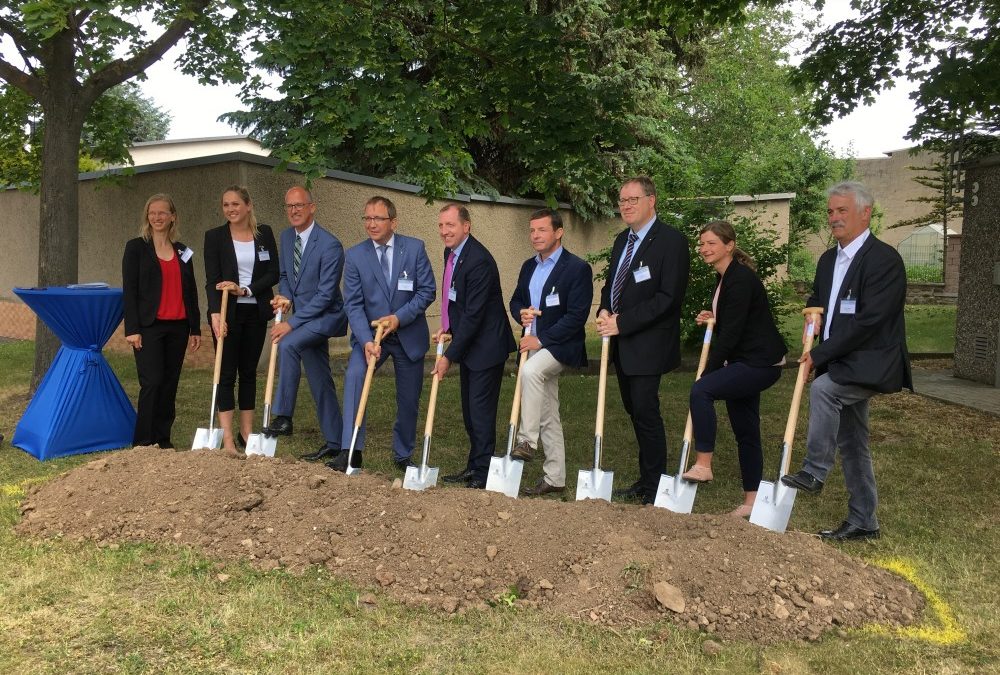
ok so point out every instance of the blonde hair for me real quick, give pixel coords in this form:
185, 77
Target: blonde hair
245, 196
725, 231
145, 231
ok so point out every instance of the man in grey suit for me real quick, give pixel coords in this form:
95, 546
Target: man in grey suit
861, 284
312, 261
386, 278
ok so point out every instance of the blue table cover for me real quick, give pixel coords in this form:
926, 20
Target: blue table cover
79, 406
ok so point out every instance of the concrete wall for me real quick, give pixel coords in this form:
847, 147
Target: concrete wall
977, 329
110, 215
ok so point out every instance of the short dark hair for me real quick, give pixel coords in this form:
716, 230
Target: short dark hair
645, 182
384, 201
548, 213
463, 212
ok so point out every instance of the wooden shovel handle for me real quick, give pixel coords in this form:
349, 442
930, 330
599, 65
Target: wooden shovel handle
515, 409
269, 387
811, 313
222, 337
706, 343
368, 375
432, 405
602, 386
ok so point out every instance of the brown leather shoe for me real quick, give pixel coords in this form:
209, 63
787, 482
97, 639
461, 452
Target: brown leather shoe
542, 488
523, 451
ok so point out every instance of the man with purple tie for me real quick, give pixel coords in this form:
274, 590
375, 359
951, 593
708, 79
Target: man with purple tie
472, 311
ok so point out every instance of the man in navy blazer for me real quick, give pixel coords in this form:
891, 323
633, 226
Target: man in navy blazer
312, 261
861, 284
386, 278
561, 286
641, 308
472, 312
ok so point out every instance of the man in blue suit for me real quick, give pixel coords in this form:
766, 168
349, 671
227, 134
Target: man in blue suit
312, 261
387, 278
561, 285
472, 312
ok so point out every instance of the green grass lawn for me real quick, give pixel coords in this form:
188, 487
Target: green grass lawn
69, 606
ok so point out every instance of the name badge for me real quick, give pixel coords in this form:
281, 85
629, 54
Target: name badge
405, 285
641, 274
264, 255
848, 306
186, 255
552, 300
452, 295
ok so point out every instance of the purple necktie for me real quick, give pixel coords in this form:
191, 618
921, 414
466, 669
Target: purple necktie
445, 287
616, 289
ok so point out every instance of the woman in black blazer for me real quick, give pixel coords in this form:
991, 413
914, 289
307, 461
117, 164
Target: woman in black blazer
745, 358
161, 316
241, 259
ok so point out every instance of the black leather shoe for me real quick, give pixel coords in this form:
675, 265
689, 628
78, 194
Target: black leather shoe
846, 531
634, 491
476, 484
542, 488
279, 426
339, 463
403, 463
240, 440
324, 452
804, 481
463, 477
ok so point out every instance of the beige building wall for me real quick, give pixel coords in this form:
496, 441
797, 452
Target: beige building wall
110, 214
890, 179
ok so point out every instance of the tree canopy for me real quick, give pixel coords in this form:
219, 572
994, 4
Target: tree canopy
119, 118
949, 49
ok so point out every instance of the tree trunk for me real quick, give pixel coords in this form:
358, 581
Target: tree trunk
58, 223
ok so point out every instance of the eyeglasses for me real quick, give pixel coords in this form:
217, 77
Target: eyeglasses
630, 201
297, 206
374, 219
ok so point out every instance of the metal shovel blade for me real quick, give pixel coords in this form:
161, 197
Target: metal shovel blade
675, 494
261, 444
420, 478
207, 438
505, 475
594, 484
773, 506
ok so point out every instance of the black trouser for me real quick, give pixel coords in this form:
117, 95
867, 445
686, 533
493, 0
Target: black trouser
739, 385
158, 365
641, 398
480, 397
240, 354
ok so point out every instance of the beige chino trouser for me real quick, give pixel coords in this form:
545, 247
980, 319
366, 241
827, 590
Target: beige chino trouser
540, 413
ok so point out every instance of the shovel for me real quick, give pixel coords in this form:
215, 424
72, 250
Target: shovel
262, 444
360, 417
773, 505
505, 472
211, 437
596, 484
423, 476
673, 492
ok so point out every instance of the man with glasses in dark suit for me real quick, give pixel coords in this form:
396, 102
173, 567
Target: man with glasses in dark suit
640, 310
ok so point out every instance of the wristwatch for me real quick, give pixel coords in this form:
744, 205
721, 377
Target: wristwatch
246, 292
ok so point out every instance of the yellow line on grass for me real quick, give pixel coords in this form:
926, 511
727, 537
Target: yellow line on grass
941, 628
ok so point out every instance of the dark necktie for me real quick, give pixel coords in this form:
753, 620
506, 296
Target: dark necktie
383, 254
616, 288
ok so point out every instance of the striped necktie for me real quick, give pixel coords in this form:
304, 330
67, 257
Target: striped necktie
616, 289
297, 256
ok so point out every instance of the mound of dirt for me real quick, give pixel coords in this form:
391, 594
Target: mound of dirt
452, 549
